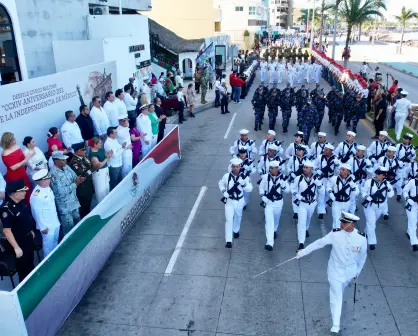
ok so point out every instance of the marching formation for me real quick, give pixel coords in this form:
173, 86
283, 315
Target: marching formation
317, 177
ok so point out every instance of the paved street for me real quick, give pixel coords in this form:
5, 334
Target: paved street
210, 291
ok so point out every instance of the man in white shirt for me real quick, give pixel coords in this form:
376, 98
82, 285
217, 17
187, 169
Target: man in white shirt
145, 89
159, 88
130, 102
124, 137
403, 108
99, 117
180, 99
71, 133
143, 123
115, 161
178, 79
111, 109
120, 104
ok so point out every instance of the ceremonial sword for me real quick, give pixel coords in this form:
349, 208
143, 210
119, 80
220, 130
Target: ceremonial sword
274, 267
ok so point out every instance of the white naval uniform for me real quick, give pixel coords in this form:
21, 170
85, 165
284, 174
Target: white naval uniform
124, 136
341, 199
234, 207
317, 149
376, 208
307, 204
294, 168
249, 146
143, 123
247, 169
263, 71
410, 193
299, 73
348, 256
290, 150
272, 70
375, 149
280, 70
264, 147
317, 73
100, 120
111, 109
343, 149
274, 203
321, 164
264, 163
360, 168
44, 212
309, 73
411, 171
406, 154
71, 134
145, 89
291, 75
395, 166
402, 107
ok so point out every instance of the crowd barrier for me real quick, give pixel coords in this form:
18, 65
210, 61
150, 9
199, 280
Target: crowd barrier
42, 302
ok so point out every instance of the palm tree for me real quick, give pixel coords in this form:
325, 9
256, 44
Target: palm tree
355, 12
406, 15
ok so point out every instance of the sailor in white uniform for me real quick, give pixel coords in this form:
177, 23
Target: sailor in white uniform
263, 70
406, 153
295, 169
264, 162
317, 147
244, 141
123, 136
378, 148
346, 149
394, 168
348, 256
232, 186
272, 187
290, 150
270, 140
410, 193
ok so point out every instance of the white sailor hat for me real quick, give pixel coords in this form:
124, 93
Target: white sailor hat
404, 93
391, 149
244, 131
271, 132
42, 174
329, 146
351, 133
408, 136
235, 161
381, 170
308, 164
347, 217
345, 166
123, 116
383, 133
299, 134
273, 147
274, 164
322, 134
59, 155
361, 147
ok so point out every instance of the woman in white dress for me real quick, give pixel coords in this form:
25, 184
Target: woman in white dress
37, 161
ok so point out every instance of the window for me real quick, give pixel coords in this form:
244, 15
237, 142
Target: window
239, 9
251, 10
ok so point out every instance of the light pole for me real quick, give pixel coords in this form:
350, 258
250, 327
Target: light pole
312, 26
120, 7
334, 37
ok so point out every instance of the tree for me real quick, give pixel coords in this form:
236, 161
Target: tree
406, 15
355, 12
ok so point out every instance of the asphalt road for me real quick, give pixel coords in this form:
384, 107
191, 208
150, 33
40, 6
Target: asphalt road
210, 291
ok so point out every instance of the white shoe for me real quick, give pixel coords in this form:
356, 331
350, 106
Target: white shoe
335, 329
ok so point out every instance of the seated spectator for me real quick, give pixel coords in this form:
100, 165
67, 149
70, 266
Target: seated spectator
44, 210
15, 161
71, 133
115, 160
64, 183
85, 122
37, 161
53, 140
99, 160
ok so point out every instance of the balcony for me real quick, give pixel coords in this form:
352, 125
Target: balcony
127, 5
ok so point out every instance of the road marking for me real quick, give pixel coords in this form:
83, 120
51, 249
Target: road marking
183, 235
230, 125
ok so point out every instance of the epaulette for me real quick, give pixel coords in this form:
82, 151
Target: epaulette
336, 230
361, 233
36, 193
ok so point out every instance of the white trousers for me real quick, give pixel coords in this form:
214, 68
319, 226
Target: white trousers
337, 208
50, 240
372, 214
412, 224
317, 77
233, 216
145, 148
246, 197
262, 76
126, 162
323, 196
336, 293
400, 119
305, 212
101, 184
271, 77
272, 213
294, 206
300, 77
279, 76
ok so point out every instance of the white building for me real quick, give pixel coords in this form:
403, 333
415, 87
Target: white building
240, 15
281, 13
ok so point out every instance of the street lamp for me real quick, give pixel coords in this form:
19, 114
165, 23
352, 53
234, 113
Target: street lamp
334, 37
312, 26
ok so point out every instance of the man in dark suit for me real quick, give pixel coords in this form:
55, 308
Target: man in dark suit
159, 111
85, 123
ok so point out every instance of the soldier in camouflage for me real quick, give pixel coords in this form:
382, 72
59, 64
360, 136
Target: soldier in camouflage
301, 97
320, 102
331, 105
338, 111
309, 118
286, 102
273, 107
259, 104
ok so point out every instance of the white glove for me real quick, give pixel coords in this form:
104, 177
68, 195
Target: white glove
292, 175
298, 197
265, 199
368, 198
410, 202
332, 196
318, 183
226, 195
247, 168
352, 184
300, 254
283, 184
318, 172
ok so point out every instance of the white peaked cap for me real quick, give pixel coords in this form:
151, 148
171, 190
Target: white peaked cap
349, 216
351, 133
346, 166
274, 164
361, 147
308, 164
235, 161
329, 146
273, 147
392, 148
405, 93
383, 133
271, 132
244, 131
322, 134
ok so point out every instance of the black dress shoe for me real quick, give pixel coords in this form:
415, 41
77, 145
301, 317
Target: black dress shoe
372, 247
268, 247
228, 245
222, 112
307, 234
228, 112
321, 216
301, 246
259, 127
180, 122
284, 130
245, 207
398, 198
236, 235
295, 216
275, 234
386, 217
415, 248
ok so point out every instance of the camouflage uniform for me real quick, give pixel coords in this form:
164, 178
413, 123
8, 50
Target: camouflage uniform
203, 87
331, 105
355, 113
338, 112
259, 107
273, 107
320, 103
301, 97
310, 118
286, 102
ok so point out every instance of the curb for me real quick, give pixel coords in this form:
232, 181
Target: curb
202, 108
370, 120
400, 70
